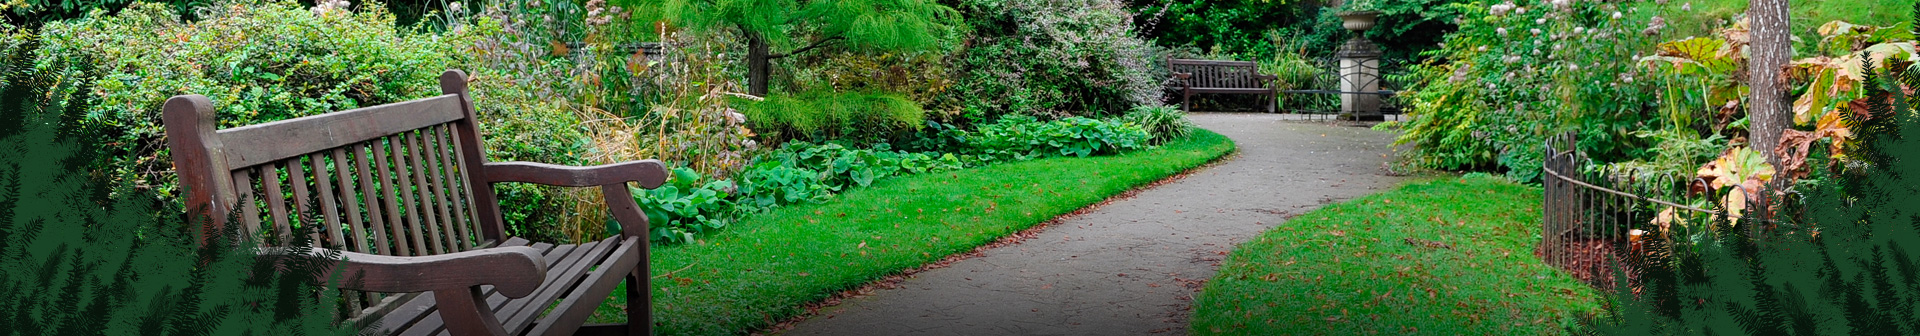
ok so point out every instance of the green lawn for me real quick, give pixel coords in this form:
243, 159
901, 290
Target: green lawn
1451, 256
765, 267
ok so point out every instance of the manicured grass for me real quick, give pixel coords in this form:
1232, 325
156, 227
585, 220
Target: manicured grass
1350, 269
765, 267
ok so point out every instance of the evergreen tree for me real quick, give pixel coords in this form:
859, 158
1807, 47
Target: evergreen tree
79, 257
799, 26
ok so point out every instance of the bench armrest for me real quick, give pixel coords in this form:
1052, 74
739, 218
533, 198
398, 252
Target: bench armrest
1265, 77
611, 178
514, 271
650, 173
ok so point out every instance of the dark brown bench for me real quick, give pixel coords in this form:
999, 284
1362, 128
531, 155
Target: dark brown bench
1229, 77
403, 191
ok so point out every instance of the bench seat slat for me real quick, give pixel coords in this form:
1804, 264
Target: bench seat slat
573, 310
431, 324
586, 264
521, 313
417, 310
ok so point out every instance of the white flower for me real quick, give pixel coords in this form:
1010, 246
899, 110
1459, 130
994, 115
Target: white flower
1540, 21
1574, 67
1483, 48
1512, 59
1521, 10
453, 7
1616, 15
1686, 7
1577, 30
1502, 31
1563, 5
1536, 52
1536, 31
1501, 9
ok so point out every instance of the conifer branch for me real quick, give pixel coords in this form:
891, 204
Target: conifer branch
816, 44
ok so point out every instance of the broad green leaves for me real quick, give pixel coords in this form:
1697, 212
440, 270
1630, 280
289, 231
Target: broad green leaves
689, 204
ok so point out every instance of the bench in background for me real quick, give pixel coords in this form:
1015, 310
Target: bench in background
1226, 77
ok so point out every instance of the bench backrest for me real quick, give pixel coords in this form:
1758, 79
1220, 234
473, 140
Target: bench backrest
395, 179
1217, 74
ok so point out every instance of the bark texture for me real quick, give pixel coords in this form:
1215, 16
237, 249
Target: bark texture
1771, 49
758, 63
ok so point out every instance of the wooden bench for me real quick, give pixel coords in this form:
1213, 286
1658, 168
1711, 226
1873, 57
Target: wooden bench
403, 191
1229, 77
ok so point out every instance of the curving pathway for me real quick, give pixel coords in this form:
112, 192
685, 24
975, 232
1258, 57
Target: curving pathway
1130, 267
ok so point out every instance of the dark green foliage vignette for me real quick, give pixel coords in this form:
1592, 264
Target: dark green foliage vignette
1848, 264
80, 257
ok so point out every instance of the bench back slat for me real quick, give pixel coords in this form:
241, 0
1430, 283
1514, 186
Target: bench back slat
333, 233
395, 179
1218, 74
376, 219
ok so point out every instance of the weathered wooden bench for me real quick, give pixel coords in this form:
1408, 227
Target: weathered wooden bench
1228, 77
403, 191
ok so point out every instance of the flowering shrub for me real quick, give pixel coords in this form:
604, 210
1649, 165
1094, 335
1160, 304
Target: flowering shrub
258, 63
1052, 58
1514, 75
593, 102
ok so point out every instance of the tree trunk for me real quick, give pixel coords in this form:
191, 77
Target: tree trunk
758, 63
1768, 110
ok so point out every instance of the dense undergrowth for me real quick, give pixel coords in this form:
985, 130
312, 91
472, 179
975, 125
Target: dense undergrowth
84, 256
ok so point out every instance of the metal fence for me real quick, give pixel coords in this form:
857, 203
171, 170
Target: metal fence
1321, 95
1593, 216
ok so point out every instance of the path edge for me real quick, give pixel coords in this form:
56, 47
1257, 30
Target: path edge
811, 309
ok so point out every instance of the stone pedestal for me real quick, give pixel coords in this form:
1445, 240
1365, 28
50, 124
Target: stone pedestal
1359, 79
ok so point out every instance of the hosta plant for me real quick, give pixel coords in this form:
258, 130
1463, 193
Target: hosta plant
687, 205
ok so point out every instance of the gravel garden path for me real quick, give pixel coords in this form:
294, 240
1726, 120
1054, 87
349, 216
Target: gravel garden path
1130, 267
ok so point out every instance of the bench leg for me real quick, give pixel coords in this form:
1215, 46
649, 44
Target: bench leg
640, 297
1186, 100
1272, 101
466, 313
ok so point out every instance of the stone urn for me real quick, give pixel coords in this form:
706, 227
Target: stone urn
1358, 21
1359, 69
